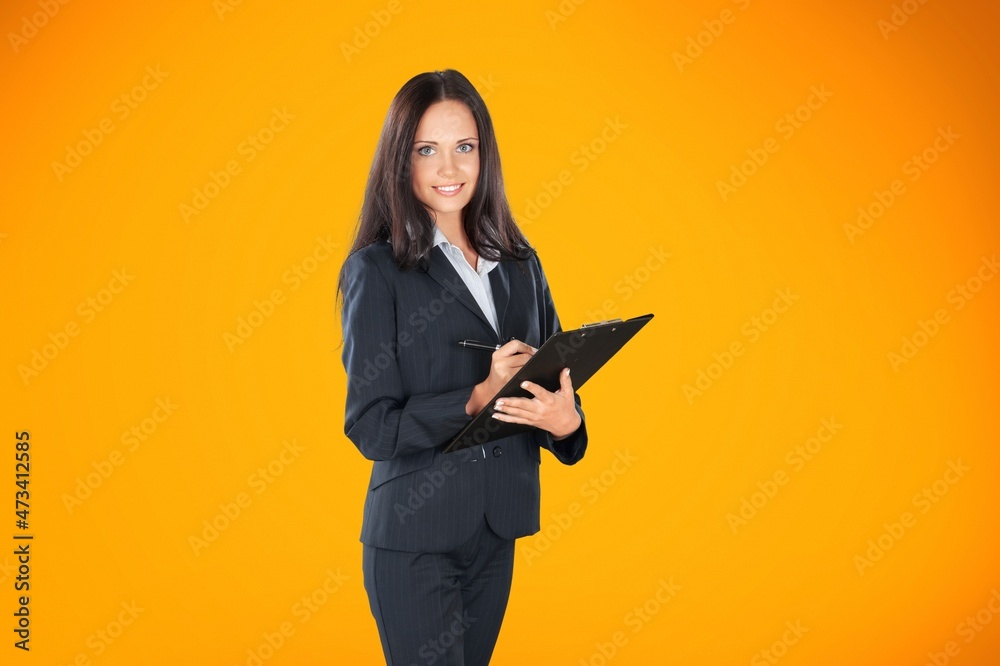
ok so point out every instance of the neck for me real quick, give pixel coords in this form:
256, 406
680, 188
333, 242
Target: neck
454, 231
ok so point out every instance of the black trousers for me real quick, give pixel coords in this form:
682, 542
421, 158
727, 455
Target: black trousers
442, 609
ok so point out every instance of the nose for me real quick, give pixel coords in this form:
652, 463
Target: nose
447, 165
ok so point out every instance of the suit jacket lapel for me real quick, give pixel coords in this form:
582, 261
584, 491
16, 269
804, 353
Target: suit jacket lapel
439, 268
500, 284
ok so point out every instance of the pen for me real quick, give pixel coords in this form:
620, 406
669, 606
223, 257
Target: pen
472, 344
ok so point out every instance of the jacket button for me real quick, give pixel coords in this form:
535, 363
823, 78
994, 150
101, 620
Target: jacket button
497, 451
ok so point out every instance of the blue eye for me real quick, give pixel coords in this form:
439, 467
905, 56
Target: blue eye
425, 151
464, 146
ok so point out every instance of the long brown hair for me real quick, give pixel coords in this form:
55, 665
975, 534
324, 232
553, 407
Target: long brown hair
392, 212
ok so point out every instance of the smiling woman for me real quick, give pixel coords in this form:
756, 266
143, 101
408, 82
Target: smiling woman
446, 164
436, 236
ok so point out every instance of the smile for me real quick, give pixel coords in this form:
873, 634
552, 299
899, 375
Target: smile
449, 190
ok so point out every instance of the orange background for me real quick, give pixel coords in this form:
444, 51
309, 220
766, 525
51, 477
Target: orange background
613, 149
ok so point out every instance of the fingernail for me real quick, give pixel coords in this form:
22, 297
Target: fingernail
524, 384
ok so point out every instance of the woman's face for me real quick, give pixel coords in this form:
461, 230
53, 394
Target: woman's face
445, 160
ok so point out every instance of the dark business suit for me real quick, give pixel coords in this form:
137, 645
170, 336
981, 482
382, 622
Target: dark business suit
408, 384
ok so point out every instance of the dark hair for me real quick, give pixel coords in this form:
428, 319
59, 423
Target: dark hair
392, 212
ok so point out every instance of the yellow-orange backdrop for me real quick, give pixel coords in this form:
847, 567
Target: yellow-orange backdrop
795, 462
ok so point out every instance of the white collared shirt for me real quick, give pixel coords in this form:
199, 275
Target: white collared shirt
476, 280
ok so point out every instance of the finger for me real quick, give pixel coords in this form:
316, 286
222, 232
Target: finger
508, 418
515, 347
517, 361
535, 390
518, 406
565, 383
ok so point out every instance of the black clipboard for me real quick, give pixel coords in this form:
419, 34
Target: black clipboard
584, 351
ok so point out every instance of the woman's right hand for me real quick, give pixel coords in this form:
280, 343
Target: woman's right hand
506, 362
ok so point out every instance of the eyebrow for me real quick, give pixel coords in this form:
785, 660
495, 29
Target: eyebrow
470, 138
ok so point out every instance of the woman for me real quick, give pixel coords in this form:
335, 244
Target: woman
437, 258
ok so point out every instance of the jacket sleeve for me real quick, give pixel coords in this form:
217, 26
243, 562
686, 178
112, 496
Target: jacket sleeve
570, 449
381, 420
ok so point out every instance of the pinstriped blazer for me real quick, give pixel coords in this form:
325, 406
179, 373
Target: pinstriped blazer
408, 384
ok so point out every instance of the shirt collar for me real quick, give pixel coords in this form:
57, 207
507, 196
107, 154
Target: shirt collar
484, 265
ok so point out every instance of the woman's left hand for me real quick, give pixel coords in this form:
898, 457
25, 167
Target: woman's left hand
554, 412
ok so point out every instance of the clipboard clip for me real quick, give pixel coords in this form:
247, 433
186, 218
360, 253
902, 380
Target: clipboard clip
602, 323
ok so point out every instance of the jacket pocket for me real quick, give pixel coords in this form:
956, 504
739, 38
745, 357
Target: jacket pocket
387, 470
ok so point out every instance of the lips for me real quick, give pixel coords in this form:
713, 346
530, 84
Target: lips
449, 190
